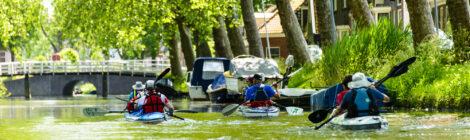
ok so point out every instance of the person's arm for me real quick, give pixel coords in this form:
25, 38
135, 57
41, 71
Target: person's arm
386, 98
381, 96
337, 112
276, 95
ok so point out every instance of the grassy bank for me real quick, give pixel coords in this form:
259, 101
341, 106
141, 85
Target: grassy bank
433, 81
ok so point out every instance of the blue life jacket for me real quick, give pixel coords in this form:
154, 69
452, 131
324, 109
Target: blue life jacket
357, 110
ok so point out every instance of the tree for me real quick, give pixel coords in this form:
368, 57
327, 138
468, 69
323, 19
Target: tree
324, 22
202, 48
295, 39
186, 44
222, 43
234, 34
252, 34
420, 19
361, 13
174, 55
460, 21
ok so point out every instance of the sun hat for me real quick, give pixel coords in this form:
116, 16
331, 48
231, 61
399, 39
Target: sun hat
138, 86
359, 80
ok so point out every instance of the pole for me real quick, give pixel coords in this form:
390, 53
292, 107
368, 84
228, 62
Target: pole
333, 22
312, 12
266, 29
436, 17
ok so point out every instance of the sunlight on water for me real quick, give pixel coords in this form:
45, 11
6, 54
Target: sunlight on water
61, 118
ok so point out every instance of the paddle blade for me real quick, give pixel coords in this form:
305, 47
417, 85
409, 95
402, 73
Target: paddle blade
401, 68
230, 109
294, 110
318, 116
94, 112
164, 72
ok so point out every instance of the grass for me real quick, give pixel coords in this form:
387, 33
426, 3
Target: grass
434, 81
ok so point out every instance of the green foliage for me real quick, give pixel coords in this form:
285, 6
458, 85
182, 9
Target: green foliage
363, 51
69, 54
87, 87
461, 48
179, 83
433, 81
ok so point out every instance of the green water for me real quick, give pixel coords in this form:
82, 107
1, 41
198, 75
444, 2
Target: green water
62, 118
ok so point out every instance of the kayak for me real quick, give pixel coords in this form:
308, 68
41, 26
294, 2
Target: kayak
360, 123
154, 117
258, 112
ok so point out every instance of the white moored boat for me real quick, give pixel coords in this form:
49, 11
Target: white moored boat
258, 112
360, 123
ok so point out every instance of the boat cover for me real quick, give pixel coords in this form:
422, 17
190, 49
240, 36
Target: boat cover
244, 67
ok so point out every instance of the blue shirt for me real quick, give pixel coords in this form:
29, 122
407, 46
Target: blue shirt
251, 92
131, 95
362, 99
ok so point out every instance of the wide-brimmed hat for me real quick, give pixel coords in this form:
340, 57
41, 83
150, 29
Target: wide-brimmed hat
138, 86
359, 80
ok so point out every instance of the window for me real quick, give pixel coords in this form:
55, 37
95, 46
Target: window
383, 16
275, 52
377, 2
345, 4
335, 4
212, 69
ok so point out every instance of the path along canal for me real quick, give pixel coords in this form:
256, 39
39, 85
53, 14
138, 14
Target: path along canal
62, 118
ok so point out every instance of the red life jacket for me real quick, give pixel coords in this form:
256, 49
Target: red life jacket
130, 105
154, 103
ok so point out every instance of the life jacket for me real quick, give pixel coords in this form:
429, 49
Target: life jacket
260, 94
261, 98
154, 102
131, 104
353, 110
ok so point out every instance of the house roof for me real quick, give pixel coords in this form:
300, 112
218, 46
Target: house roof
273, 21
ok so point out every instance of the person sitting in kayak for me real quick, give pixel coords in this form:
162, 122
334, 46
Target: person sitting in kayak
138, 89
360, 100
339, 97
249, 83
153, 101
260, 94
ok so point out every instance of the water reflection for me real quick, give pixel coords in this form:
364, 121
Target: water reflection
63, 117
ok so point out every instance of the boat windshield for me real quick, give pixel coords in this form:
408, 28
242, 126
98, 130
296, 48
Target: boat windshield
212, 69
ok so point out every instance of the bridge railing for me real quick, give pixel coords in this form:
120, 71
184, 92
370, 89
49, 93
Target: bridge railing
51, 67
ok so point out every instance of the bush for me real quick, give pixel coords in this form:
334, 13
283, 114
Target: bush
433, 81
69, 54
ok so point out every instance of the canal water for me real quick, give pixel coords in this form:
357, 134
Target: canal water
63, 118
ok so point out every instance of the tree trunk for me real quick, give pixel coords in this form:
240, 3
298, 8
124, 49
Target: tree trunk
310, 34
361, 13
324, 22
186, 44
222, 44
295, 39
174, 57
460, 21
420, 19
235, 35
252, 35
50, 41
202, 48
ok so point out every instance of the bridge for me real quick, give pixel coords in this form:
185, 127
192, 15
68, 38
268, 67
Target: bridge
58, 78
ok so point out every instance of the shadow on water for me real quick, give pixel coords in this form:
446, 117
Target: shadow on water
41, 116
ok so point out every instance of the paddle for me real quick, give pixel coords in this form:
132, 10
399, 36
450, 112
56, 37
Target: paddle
397, 70
179, 111
95, 112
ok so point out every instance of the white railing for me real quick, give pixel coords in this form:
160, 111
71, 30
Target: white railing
52, 67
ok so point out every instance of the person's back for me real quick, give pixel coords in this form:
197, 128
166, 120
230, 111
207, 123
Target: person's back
260, 94
154, 102
361, 99
361, 102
